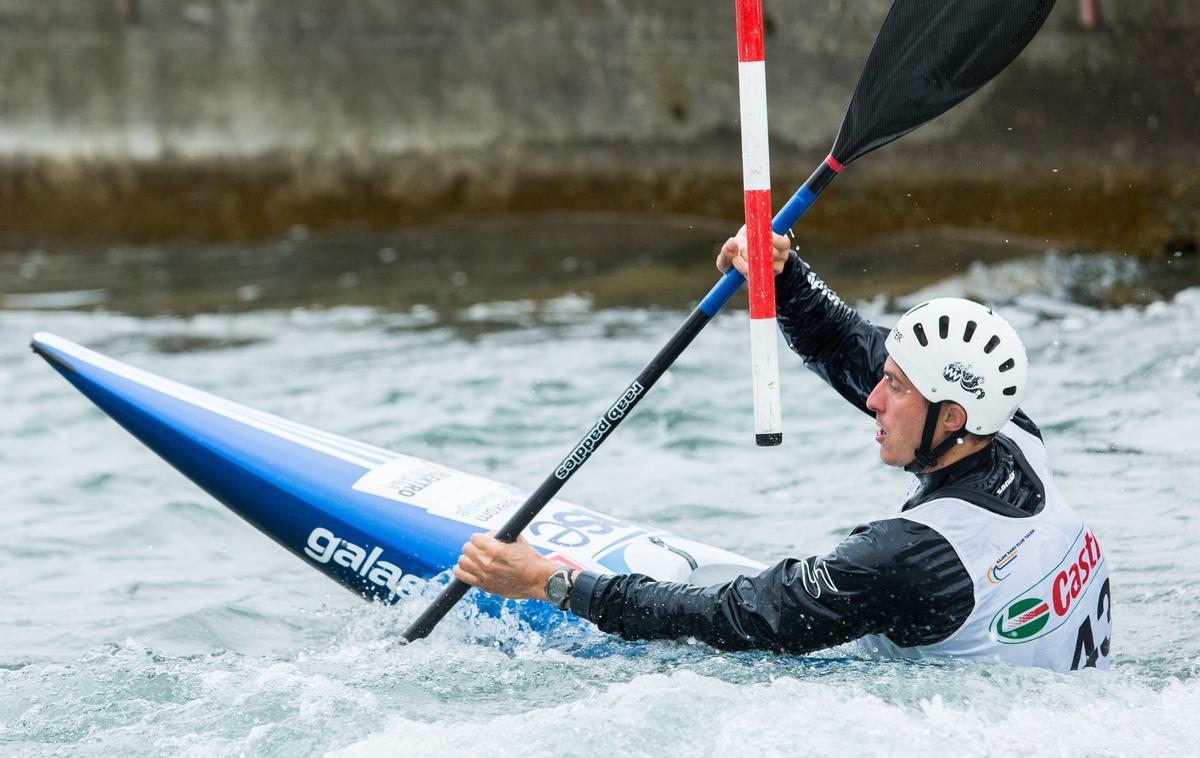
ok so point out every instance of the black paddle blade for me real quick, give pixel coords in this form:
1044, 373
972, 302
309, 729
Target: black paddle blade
928, 57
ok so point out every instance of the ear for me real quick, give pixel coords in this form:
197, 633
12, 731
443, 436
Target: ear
953, 417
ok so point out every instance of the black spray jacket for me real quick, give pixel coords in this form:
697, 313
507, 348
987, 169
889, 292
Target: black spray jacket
892, 577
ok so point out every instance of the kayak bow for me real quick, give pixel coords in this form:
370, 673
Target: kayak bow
377, 522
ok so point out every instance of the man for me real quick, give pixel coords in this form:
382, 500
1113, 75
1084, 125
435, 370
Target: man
985, 560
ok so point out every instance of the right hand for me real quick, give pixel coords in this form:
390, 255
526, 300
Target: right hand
735, 252
508, 569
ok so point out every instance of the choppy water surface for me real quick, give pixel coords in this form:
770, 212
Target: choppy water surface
140, 617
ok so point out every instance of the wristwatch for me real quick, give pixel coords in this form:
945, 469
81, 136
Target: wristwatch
558, 587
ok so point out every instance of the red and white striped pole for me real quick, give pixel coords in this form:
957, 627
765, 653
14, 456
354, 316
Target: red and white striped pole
756, 181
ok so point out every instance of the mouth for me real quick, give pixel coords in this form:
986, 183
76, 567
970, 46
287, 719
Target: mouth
879, 435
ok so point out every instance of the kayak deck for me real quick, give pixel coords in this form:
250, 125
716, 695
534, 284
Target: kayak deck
380, 523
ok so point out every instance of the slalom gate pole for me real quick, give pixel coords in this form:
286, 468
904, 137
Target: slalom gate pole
756, 187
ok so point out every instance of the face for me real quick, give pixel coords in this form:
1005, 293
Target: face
900, 415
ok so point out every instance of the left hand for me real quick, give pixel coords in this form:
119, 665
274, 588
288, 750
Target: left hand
735, 252
509, 569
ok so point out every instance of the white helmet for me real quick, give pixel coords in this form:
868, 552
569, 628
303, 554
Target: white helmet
958, 350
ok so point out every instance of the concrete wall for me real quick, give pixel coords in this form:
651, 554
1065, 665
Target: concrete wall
237, 118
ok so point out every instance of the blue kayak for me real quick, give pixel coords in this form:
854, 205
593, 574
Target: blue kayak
379, 523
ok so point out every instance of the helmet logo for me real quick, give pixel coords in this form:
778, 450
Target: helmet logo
965, 375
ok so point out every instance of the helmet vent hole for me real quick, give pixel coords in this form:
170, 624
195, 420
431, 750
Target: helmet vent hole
1010, 391
919, 330
1008, 364
969, 332
991, 345
944, 327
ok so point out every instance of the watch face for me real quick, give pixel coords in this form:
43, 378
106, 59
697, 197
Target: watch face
556, 587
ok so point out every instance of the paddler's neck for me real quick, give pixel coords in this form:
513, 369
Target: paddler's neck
965, 449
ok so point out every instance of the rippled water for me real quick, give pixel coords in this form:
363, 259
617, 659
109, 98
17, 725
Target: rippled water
140, 617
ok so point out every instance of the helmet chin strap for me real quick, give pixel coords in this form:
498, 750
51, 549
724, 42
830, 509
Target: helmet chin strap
927, 456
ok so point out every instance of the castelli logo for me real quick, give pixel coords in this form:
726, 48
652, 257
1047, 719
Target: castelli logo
1071, 581
964, 374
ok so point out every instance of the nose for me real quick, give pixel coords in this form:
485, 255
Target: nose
875, 400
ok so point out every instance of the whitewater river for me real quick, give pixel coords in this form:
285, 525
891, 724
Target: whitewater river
142, 618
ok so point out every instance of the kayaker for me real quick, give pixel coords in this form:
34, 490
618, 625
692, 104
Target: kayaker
984, 561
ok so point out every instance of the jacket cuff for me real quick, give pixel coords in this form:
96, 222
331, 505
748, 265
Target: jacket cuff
581, 594
793, 278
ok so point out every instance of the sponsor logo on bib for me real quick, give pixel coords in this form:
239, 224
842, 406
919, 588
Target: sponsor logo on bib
1024, 618
996, 572
1029, 615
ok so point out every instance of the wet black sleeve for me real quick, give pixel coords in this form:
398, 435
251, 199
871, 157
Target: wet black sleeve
893, 577
840, 346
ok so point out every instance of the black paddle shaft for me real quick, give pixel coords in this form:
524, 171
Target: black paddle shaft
599, 432
929, 56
